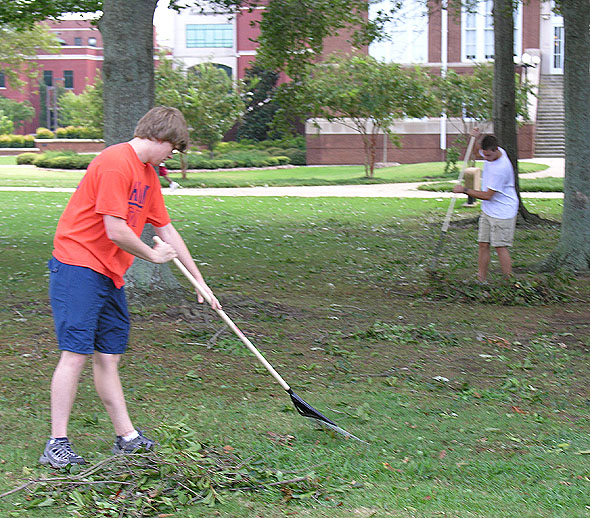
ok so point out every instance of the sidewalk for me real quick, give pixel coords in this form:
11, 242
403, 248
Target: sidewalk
383, 190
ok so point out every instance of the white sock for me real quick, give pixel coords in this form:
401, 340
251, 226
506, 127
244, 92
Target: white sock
133, 435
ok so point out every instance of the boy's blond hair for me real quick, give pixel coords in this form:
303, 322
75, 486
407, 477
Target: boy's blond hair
164, 124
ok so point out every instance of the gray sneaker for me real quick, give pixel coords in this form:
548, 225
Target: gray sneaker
59, 454
139, 444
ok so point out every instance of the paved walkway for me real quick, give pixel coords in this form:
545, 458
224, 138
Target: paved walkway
385, 190
382, 190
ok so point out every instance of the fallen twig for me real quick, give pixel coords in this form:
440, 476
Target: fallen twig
279, 483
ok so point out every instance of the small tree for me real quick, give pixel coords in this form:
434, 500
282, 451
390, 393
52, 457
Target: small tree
6, 125
19, 45
260, 106
17, 112
211, 105
367, 96
468, 98
204, 94
85, 109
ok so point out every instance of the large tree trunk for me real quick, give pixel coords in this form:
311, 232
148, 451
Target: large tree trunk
573, 250
128, 68
504, 90
128, 81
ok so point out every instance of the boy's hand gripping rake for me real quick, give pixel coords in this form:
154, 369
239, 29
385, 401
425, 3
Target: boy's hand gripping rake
305, 409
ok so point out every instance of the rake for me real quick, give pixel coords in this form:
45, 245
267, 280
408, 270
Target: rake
304, 409
447, 220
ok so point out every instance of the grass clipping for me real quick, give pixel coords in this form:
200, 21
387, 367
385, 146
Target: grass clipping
180, 473
524, 291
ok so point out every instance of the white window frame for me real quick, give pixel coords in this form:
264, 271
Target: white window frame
477, 33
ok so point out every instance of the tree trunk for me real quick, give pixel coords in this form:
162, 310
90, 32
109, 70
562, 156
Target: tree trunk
573, 249
128, 67
145, 280
128, 81
504, 90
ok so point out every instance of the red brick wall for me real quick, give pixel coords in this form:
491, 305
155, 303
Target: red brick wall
79, 146
341, 149
531, 13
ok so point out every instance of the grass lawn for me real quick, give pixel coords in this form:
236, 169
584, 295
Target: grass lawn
471, 407
549, 184
20, 176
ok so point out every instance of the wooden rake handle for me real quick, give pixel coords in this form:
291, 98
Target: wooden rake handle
447, 220
229, 322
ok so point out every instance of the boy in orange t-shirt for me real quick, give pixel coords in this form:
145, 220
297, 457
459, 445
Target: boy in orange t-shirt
96, 240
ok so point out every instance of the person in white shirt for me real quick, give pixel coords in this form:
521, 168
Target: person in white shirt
499, 205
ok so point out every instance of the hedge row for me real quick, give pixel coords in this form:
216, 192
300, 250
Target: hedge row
13, 141
69, 132
55, 160
71, 160
201, 162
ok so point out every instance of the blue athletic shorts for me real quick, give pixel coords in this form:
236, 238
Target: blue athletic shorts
89, 312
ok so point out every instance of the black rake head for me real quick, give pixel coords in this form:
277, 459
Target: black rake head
307, 410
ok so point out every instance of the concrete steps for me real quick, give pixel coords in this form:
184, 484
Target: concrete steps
550, 127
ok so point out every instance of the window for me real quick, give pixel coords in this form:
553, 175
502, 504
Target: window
470, 34
78, 41
68, 79
557, 47
477, 32
406, 33
92, 42
209, 35
2, 80
48, 77
488, 34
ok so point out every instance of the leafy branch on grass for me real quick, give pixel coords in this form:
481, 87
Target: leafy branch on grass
538, 290
180, 473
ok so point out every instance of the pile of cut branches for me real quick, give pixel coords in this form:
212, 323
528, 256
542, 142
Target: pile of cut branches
180, 473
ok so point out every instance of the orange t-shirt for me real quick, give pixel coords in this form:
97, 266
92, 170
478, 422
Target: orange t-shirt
117, 184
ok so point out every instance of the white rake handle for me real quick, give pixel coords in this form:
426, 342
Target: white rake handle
230, 323
447, 220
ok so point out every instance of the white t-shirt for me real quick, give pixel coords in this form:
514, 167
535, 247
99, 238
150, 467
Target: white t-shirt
498, 175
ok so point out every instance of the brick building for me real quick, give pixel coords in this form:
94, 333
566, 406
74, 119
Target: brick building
430, 37
441, 40
76, 65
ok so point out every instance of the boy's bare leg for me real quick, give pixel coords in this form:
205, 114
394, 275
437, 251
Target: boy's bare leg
64, 386
483, 261
108, 386
505, 261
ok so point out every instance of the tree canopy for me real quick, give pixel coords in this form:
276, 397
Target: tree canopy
366, 95
17, 47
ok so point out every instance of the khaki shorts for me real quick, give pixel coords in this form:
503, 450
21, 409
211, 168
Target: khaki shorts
497, 232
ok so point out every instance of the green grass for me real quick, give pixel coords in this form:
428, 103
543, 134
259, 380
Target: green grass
549, 184
21, 176
335, 292
7, 160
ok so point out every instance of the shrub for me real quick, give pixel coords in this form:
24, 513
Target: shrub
296, 156
16, 141
26, 158
70, 132
44, 133
91, 133
283, 160
62, 160
229, 159
61, 133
